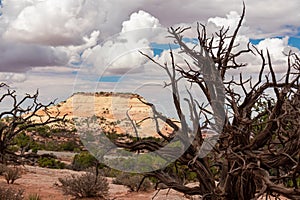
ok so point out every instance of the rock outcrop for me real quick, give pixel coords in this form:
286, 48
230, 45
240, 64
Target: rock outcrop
112, 111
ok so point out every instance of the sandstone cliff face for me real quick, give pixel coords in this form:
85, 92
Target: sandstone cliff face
110, 109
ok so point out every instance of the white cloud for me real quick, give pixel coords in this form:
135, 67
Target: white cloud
73, 22
76, 51
54, 22
278, 49
231, 20
140, 20
275, 46
12, 77
75, 18
120, 53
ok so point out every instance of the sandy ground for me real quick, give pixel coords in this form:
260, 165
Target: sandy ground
43, 181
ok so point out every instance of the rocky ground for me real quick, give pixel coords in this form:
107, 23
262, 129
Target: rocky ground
43, 181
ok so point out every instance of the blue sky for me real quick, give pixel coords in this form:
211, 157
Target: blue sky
295, 42
109, 78
159, 48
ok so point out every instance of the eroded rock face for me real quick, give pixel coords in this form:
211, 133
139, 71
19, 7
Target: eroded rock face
110, 109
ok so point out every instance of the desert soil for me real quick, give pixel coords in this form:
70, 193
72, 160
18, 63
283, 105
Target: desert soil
43, 181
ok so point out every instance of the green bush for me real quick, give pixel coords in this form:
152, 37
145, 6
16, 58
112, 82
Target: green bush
83, 161
69, 146
43, 131
52, 146
35, 149
85, 185
50, 163
22, 140
133, 181
55, 146
11, 194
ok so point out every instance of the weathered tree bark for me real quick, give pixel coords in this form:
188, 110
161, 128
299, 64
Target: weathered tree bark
259, 132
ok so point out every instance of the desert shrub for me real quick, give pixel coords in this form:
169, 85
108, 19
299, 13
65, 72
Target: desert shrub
85, 185
22, 140
34, 149
133, 181
11, 194
52, 146
34, 146
69, 146
83, 161
50, 163
34, 197
110, 172
24, 143
43, 131
63, 146
11, 174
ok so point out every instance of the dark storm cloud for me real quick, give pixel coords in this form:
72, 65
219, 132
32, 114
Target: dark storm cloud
20, 57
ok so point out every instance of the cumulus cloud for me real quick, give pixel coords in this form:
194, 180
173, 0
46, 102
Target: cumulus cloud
120, 53
54, 22
275, 46
47, 33
278, 49
139, 20
75, 52
70, 22
33, 28
231, 20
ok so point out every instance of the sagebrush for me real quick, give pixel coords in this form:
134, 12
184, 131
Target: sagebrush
134, 182
11, 174
85, 185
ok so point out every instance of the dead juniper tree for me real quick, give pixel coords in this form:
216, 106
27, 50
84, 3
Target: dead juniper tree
18, 114
258, 146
